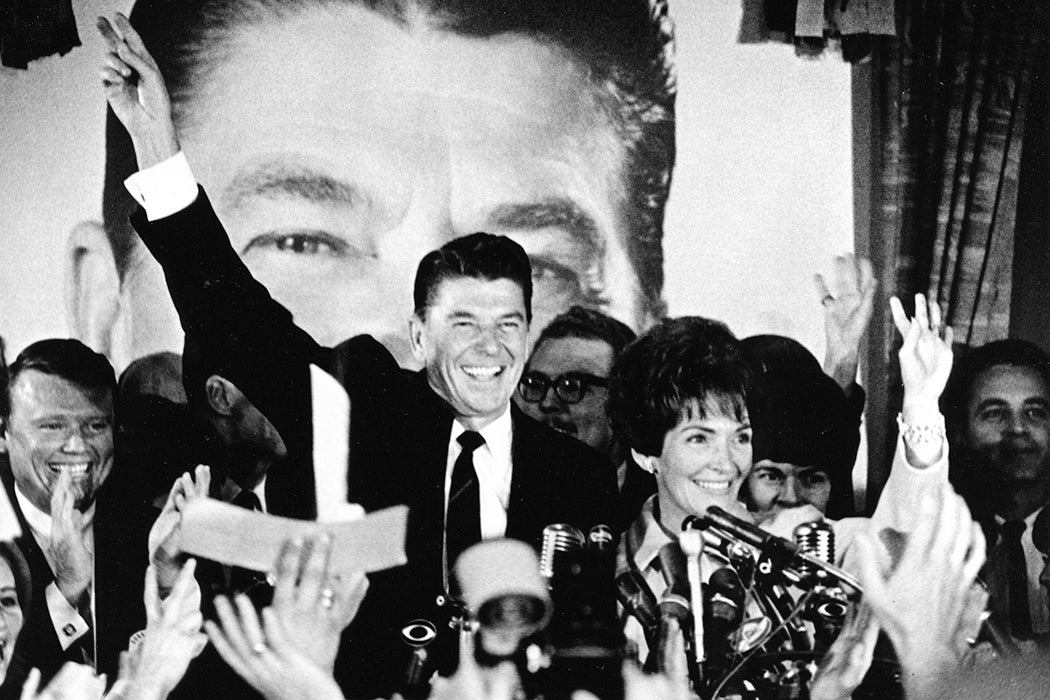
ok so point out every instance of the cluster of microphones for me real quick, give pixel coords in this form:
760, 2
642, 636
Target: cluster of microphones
755, 626
767, 613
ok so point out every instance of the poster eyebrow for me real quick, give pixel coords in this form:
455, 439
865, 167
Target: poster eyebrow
281, 180
558, 212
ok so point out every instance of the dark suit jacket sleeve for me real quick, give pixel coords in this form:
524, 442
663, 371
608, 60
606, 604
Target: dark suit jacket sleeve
231, 317
37, 645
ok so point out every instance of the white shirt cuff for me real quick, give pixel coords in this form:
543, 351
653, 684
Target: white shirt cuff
69, 625
165, 188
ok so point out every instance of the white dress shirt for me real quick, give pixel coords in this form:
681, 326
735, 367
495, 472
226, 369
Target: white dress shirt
68, 623
165, 188
492, 464
1038, 602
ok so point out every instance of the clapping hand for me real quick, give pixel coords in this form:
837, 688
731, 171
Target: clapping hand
165, 537
73, 559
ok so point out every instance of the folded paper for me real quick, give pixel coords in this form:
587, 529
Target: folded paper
251, 540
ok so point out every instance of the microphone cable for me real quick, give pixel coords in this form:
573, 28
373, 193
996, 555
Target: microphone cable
799, 607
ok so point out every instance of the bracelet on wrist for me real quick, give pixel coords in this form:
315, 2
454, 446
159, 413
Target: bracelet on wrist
926, 433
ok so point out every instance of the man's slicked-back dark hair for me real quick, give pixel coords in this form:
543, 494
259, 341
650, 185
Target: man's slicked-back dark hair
66, 358
1012, 352
624, 46
591, 324
681, 367
478, 256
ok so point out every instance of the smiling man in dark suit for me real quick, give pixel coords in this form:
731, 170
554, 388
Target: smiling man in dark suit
86, 551
446, 440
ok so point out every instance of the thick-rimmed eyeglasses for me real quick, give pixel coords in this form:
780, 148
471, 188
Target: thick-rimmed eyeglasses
570, 387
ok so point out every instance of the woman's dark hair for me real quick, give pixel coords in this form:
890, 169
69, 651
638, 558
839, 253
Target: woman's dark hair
681, 367
20, 570
806, 419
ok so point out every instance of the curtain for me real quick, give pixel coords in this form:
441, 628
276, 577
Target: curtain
948, 104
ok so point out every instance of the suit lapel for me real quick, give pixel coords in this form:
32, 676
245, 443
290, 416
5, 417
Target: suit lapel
426, 455
38, 566
525, 511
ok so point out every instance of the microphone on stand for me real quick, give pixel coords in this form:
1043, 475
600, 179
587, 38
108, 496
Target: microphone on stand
509, 601
782, 554
777, 605
674, 619
692, 545
418, 634
601, 538
723, 612
558, 539
674, 567
675, 614
827, 609
818, 540
734, 553
637, 600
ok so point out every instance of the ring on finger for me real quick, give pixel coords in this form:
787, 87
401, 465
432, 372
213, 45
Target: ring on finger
259, 648
327, 598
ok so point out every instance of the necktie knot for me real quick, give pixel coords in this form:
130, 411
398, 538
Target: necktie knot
470, 440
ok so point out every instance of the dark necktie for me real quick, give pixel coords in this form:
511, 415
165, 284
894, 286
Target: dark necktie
463, 521
1017, 579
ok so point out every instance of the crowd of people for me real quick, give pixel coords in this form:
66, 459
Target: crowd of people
611, 514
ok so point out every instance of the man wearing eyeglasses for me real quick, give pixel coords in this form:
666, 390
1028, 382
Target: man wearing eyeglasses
564, 387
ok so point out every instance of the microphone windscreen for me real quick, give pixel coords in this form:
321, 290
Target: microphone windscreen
673, 567
502, 569
602, 538
557, 537
676, 606
817, 539
726, 595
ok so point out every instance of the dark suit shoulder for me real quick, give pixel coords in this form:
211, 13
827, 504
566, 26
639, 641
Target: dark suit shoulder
558, 478
362, 364
562, 448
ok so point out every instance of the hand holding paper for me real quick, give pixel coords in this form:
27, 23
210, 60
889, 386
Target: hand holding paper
165, 537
